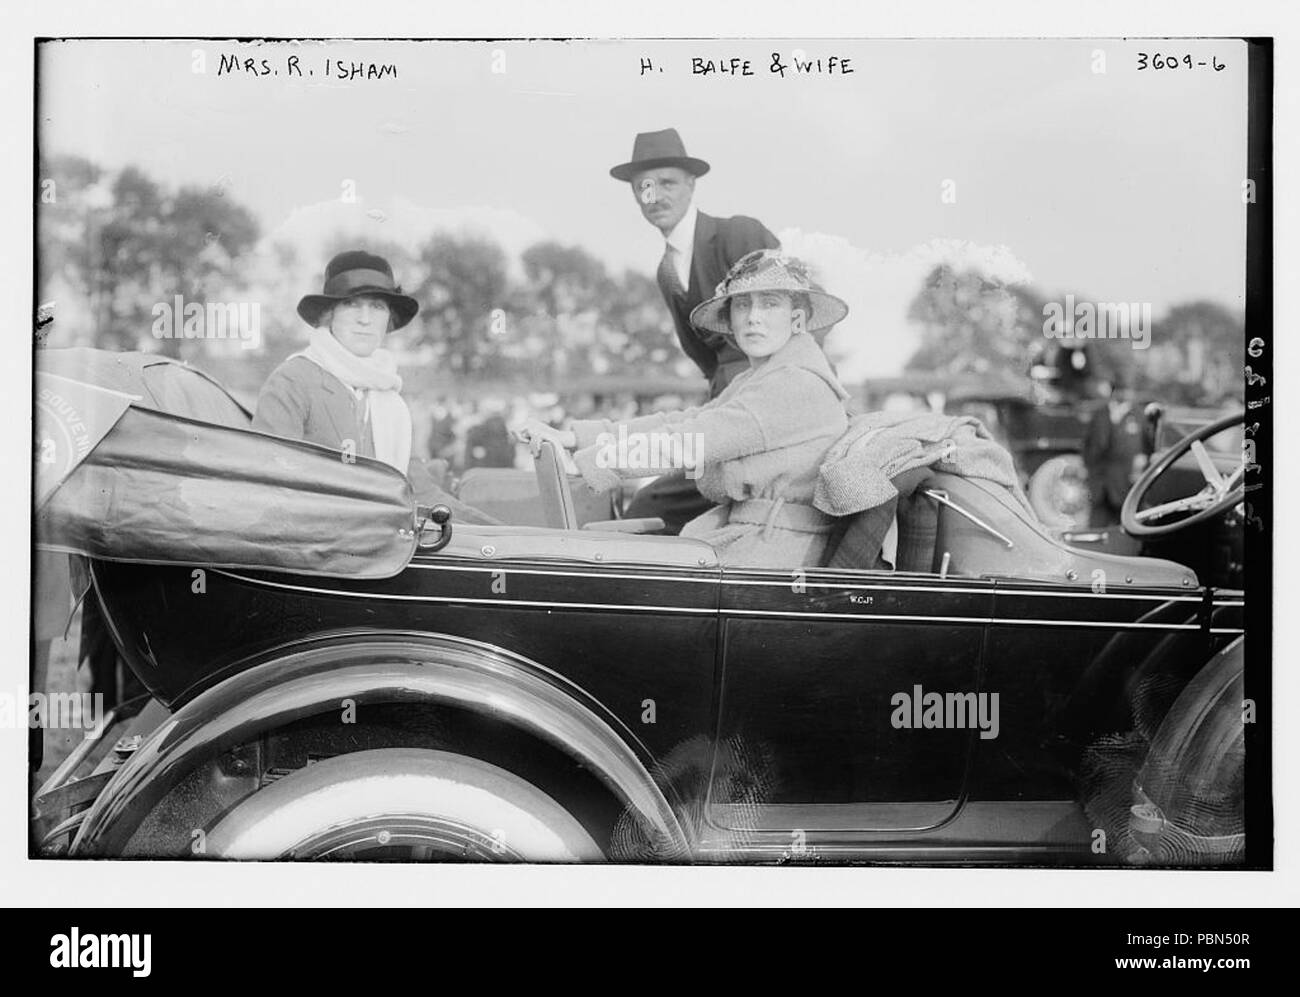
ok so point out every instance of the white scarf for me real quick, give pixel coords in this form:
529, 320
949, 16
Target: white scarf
376, 378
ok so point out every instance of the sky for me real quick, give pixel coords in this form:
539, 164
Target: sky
1122, 185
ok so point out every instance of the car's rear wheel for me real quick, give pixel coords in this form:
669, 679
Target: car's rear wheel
402, 804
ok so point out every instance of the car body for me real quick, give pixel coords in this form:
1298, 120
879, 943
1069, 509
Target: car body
585, 695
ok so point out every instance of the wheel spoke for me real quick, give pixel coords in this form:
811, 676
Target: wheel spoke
1208, 470
1201, 500
1234, 479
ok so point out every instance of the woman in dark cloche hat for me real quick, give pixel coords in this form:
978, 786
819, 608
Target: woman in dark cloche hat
343, 391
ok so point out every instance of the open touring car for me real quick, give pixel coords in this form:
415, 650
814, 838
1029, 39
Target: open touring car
332, 671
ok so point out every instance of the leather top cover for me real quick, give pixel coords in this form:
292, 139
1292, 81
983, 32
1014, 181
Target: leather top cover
173, 475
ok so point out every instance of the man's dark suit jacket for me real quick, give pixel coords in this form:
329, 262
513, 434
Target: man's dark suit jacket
1109, 449
719, 243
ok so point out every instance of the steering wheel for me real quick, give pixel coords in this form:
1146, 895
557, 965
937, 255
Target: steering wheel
1218, 494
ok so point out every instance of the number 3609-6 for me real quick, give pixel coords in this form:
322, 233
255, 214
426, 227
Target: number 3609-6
1160, 61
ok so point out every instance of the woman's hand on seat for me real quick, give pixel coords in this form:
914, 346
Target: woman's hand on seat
534, 432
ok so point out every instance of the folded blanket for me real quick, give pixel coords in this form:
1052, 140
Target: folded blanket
878, 446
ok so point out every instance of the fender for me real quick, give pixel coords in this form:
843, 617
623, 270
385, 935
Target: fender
1193, 777
313, 676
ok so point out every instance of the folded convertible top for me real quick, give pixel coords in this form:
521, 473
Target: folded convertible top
154, 462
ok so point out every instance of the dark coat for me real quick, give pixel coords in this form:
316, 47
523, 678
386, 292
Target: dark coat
489, 444
719, 243
303, 401
1108, 452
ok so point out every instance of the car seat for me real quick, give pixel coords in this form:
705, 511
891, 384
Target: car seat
948, 524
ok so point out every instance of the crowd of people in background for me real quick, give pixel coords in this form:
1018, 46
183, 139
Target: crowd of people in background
475, 432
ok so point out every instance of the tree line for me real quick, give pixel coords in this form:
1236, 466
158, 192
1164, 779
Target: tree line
112, 244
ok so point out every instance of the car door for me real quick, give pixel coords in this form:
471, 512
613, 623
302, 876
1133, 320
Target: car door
827, 676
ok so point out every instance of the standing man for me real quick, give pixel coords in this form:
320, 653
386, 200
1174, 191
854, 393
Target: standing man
1117, 446
698, 251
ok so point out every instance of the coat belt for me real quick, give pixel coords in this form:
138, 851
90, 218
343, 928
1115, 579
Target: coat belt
780, 513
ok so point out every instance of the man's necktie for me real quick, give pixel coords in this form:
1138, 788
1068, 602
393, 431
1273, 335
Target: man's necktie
668, 272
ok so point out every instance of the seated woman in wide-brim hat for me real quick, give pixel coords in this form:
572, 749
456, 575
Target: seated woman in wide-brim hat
757, 448
343, 391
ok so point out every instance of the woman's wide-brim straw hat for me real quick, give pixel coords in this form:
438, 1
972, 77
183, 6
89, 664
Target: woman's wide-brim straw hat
768, 270
351, 274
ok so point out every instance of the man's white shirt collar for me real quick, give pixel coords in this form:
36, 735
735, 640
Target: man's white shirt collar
682, 240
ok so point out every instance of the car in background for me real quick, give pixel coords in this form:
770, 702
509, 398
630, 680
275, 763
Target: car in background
1045, 436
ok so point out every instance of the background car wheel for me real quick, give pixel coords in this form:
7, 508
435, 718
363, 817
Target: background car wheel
403, 804
1058, 492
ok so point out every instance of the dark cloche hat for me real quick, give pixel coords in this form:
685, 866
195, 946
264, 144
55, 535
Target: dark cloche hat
353, 273
654, 149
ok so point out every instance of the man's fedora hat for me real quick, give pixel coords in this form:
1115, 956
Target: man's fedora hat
768, 270
652, 150
353, 273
